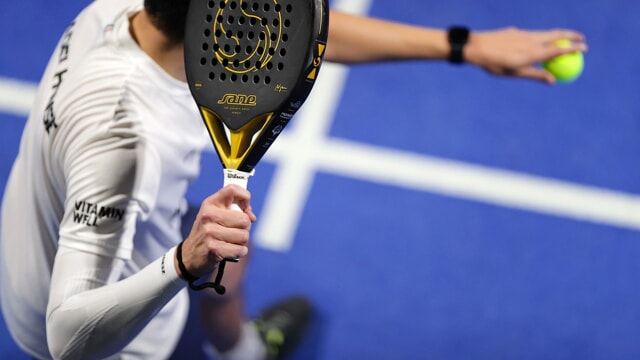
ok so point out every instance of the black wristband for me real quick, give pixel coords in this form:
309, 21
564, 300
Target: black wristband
192, 279
458, 36
187, 276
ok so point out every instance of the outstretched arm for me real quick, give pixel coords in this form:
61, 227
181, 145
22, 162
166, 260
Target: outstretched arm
509, 51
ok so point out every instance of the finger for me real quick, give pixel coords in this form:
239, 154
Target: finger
217, 232
576, 42
223, 242
231, 194
558, 34
551, 52
220, 250
249, 211
222, 216
537, 74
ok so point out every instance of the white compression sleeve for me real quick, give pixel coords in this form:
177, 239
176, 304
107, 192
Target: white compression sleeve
88, 317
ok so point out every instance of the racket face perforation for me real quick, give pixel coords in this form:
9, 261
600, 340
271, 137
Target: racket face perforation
245, 37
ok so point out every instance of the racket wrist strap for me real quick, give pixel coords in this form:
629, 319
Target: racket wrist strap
457, 36
191, 279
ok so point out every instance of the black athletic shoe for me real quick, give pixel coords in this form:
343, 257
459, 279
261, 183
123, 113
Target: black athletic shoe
283, 325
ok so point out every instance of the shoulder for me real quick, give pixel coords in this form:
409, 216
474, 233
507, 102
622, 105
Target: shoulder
94, 90
95, 85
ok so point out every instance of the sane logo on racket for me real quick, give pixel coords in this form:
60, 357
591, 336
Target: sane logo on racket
238, 99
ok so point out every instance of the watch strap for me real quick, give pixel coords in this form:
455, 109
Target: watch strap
457, 36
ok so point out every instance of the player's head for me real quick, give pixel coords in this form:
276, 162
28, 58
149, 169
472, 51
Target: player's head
169, 16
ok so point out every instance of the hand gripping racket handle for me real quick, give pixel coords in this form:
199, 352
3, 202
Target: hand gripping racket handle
239, 178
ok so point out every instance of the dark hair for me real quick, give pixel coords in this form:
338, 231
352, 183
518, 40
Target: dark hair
169, 16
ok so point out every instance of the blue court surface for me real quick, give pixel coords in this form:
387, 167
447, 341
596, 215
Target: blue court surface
431, 211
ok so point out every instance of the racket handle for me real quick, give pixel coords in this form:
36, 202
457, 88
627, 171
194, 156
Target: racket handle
240, 178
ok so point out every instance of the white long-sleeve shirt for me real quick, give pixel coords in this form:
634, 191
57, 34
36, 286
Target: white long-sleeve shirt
98, 187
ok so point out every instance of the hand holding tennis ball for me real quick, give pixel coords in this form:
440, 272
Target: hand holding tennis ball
565, 68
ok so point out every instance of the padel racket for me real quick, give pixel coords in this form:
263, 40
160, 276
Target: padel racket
250, 65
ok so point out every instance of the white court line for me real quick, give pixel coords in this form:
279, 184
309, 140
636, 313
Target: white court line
468, 181
16, 96
299, 157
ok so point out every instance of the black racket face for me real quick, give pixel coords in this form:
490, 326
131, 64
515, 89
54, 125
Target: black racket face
248, 58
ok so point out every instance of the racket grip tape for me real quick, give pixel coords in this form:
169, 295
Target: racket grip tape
240, 178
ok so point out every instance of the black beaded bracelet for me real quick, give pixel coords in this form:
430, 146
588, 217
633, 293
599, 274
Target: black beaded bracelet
219, 288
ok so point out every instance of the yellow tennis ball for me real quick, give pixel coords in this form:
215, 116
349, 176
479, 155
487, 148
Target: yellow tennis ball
565, 68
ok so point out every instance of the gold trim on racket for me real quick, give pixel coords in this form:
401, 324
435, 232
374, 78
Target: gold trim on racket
234, 147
